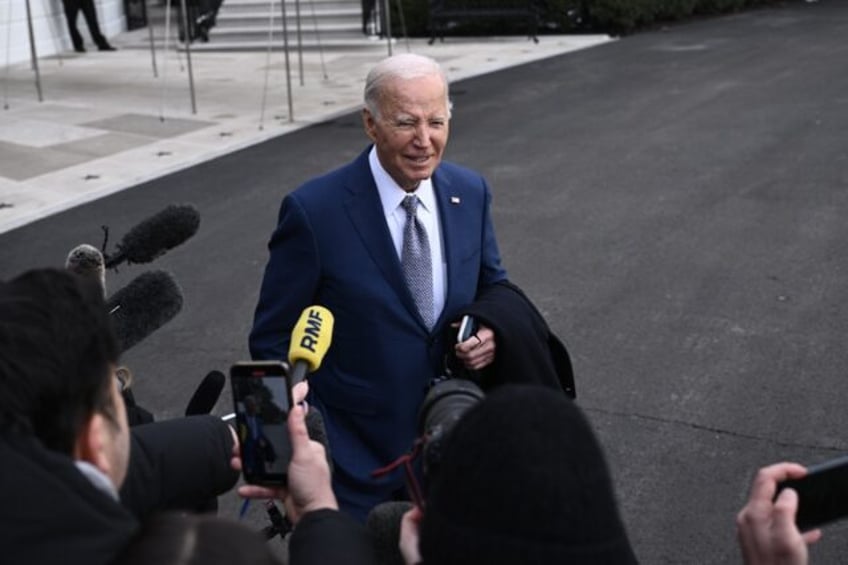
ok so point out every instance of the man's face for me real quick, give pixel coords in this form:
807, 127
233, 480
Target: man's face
118, 446
411, 131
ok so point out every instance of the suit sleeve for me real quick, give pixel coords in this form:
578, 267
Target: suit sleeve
491, 271
178, 465
289, 284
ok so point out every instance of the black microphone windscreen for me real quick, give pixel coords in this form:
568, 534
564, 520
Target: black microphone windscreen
87, 261
318, 432
156, 235
146, 304
384, 524
207, 394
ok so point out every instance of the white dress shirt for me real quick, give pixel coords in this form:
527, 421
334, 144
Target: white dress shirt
97, 478
391, 196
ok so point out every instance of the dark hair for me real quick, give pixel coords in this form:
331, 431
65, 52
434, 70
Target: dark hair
175, 539
56, 348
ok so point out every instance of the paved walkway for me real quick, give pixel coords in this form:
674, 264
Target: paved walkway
106, 123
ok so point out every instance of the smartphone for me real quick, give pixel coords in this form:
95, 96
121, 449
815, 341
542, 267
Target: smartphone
467, 328
822, 493
262, 397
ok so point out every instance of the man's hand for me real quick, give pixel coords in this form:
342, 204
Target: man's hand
766, 527
409, 527
478, 351
309, 487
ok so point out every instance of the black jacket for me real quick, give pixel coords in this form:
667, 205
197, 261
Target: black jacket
51, 513
527, 351
178, 465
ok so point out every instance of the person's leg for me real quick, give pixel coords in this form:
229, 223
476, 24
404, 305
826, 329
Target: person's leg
90, 13
71, 11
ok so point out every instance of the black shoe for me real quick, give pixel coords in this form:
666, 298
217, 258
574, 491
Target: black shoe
79, 48
105, 47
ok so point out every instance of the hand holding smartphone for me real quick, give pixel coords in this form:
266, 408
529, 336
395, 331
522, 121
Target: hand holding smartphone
467, 328
822, 494
262, 397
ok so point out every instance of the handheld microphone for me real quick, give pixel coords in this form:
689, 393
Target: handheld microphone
207, 394
87, 261
156, 235
146, 304
310, 341
383, 523
318, 432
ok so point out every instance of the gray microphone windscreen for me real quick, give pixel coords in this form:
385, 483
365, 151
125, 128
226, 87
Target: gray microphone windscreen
318, 432
156, 235
146, 304
87, 261
383, 523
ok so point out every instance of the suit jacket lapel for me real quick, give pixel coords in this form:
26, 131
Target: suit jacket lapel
442, 186
366, 212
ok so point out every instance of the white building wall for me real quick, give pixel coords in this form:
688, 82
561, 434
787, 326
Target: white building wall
50, 28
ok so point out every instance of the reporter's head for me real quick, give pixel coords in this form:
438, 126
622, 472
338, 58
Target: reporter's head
57, 361
523, 480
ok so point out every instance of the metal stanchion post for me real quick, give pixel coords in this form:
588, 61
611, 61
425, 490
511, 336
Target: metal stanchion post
318, 39
188, 57
403, 24
164, 92
152, 48
299, 40
8, 58
288, 66
388, 29
32, 52
267, 63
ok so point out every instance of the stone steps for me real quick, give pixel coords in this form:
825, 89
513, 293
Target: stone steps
242, 25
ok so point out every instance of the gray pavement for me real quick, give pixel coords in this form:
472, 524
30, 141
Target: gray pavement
674, 203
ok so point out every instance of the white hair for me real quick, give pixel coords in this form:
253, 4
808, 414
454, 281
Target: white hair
404, 66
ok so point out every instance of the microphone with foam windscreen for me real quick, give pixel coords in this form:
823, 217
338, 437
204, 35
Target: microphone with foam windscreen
87, 261
207, 394
146, 304
383, 523
156, 235
318, 432
310, 340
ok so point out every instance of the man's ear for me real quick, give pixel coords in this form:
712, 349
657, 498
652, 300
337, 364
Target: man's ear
369, 124
92, 441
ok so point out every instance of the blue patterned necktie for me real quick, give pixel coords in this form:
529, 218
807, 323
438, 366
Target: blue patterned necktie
415, 260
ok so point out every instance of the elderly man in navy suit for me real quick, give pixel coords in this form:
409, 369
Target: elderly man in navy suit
394, 244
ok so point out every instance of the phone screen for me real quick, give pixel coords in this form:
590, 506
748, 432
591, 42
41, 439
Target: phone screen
822, 494
262, 398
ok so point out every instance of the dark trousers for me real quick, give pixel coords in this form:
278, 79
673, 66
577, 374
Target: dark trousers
72, 8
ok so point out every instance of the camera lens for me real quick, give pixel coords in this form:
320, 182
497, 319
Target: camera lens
443, 406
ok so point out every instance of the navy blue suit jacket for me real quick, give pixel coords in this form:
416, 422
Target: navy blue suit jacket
332, 247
